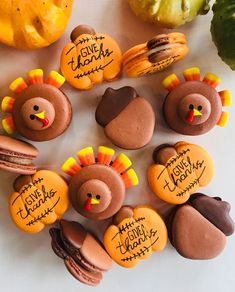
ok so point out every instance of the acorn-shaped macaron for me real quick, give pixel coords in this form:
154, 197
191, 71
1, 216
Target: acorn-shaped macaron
199, 228
127, 118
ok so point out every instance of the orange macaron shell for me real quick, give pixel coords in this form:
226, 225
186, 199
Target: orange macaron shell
182, 174
90, 59
136, 237
40, 201
154, 55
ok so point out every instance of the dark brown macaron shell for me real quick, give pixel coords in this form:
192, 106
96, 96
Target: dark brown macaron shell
108, 176
175, 114
61, 118
128, 119
84, 257
113, 103
199, 228
215, 210
16, 155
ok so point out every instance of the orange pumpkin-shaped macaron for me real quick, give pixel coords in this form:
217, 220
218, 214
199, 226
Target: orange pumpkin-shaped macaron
90, 58
27, 24
179, 171
38, 200
135, 234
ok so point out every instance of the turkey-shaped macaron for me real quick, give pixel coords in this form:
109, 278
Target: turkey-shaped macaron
127, 118
198, 229
134, 235
40, 111
194, 107
97, 187
179, 170
83, 255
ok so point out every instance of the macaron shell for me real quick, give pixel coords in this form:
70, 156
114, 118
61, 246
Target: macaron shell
194, 237
83, 82
134, 52
61, 104
107, 175
17, 168
154, 226
94, 254
112, 103
17, 147
216, 211
139, 60
133, 127
135, 237
113, 63
91, 60
39, 203
81, 274
172, 115
114, 246
182, 174
200, 160
73, 232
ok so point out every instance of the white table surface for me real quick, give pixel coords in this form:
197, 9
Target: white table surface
27, 262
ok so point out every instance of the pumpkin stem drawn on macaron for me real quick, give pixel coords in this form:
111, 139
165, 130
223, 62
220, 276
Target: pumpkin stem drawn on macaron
90, 58
128, 119
198, 229
98, 185
194, 107
40, 111
178, 171
158, 53
38, 200
134, 235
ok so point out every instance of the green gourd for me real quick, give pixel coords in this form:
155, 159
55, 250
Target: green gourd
223, 30
169, 13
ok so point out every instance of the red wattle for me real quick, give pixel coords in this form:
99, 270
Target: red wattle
190, 117
44, 122
88, 205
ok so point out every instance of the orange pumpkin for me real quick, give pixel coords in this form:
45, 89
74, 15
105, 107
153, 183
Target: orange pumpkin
27, 24
38, 201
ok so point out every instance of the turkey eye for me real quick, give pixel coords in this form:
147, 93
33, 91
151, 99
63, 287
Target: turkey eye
36, 108
89, 195
98, 197
32, 117
191, 107
199, 108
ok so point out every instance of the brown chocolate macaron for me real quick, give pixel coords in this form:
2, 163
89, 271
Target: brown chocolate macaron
127, 118
16, 156
83, 255
199, 228
40, 111
194, 107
